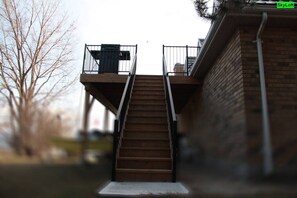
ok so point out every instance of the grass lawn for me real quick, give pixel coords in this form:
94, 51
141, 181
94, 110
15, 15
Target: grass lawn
74, 147
35, 180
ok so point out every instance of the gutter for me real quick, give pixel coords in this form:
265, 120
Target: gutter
232, 20
267, 151
208, 40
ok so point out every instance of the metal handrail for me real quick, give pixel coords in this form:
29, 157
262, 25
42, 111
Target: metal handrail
171, 119
121, 115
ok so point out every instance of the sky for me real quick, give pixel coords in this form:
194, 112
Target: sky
149, 24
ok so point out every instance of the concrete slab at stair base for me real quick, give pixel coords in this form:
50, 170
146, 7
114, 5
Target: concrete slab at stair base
120, 189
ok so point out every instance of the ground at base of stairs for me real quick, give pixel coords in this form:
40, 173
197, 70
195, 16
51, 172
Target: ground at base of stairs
143, 188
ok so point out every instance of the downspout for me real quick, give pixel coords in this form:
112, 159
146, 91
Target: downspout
267, 151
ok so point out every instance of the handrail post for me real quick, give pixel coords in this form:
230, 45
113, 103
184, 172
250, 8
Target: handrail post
114, 152
135, 55
175, 144
84, 60
187, 60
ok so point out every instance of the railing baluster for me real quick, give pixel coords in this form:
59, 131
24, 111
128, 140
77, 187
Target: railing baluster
91, 64
187, 61
182, 55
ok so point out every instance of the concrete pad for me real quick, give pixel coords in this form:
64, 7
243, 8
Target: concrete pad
143, 188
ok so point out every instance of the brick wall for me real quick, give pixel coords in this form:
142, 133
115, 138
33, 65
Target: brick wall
280, 61
214, 117
224, 118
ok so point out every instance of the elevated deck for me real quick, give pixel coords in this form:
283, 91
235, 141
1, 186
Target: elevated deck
108, 88
183, 88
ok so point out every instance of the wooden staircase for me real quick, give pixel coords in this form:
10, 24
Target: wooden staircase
144, 153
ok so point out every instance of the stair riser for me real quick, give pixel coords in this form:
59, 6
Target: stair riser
148, 85
144, 153
142, 107
148, 89
134, 113
148, 102
149, 120
149, 77
149, 177
152, 92
146, 127
148, 97
160, 80
147, 93
142, 164
145, 135
145, 143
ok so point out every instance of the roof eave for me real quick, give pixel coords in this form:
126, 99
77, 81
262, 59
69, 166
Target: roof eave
224, 26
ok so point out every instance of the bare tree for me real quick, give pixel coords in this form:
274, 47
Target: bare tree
35, 52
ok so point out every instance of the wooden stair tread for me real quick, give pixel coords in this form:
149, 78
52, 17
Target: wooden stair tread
145, 103
144, 170
145, 87
147, 121
147, 114
146, 148
136, 103
152, 91
146, 84
144, 154
146, 126
147, 130
148, 102
142, 120
145, 158
147, 110
145, 139
145, 99
146, 107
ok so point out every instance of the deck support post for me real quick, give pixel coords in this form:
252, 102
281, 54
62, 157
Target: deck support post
106, 120
84, 142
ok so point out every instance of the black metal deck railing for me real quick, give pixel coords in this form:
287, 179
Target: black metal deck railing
121, 116
180, 59
107, 58
171, 119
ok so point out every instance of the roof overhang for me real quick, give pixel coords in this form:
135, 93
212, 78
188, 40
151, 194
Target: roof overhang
225, 25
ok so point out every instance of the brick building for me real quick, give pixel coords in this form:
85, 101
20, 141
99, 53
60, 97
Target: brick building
224, 115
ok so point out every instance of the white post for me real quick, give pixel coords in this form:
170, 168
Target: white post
106, 120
